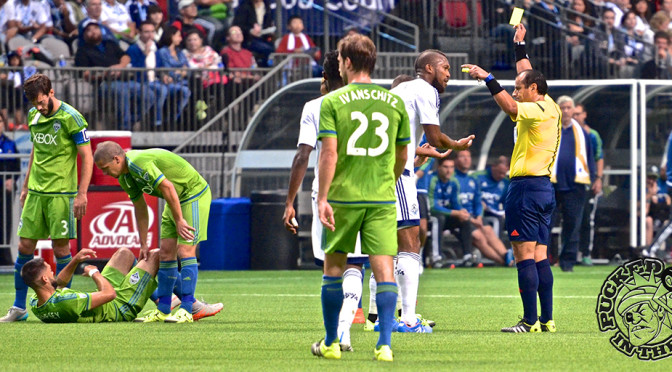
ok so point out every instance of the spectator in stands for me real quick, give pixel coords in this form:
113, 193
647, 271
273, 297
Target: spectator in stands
633, 48
666, 6
138, 10
155, 15
216, 17
115, 85
11, 83
8, 184
94, 11
657, 204
64, 23
145, 54
620, 7
445, 204
237, 57
203, 57
643, 12
186, 21
6, 17
546, 29
255, 20
483, 236
298, 42
660, 67
572, 174
77, 10
610, 44
30, 19
587, 232
116, 17
579, 27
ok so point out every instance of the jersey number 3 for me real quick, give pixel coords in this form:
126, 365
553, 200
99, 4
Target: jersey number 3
381, 131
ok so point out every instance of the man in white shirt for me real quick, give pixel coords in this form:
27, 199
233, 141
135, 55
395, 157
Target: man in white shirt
116, 17
30, 19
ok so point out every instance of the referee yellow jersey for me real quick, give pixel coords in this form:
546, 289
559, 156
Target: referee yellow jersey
538, 131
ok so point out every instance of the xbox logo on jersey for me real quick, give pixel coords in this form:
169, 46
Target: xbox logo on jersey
635, 302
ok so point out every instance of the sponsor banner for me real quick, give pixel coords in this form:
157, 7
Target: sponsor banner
110, 223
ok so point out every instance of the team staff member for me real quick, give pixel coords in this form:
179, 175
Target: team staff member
530, 200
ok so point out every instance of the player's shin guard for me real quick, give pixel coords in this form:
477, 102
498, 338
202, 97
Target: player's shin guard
189, 277
167, 276
332, 301
528, 283
408, 276
19, 285
386, 299
352, 292
545, 290
61, 263
373, 309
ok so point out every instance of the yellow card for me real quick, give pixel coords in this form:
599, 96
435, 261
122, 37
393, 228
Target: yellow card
516, 16
465, 69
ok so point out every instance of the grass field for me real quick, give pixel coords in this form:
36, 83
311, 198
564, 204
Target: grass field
271, 318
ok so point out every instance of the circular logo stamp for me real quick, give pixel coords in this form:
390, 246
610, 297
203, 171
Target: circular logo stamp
635, 303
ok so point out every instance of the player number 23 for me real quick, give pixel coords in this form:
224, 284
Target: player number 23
361, 129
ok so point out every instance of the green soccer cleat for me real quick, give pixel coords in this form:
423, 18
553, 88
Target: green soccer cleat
181, 316
369, 326
428, 322
152, 316
383, 354
548, 326
523, 327
319, 349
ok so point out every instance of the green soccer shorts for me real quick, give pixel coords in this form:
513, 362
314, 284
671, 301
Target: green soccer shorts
378, 227
133, 291
48, 217
195, 212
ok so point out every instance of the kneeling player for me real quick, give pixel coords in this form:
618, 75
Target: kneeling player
122, 292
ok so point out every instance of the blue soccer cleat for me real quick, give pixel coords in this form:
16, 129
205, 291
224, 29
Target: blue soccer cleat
420, 326
395, 325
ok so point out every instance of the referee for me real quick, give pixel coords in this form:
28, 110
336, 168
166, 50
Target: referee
530, 200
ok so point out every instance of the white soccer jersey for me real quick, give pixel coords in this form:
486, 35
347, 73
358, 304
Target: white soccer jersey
115, 16
310, 125
422, 105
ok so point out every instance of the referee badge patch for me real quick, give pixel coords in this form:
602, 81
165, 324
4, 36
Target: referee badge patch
134, 278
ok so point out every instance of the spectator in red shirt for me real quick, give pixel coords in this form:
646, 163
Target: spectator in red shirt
296, 41
236, 55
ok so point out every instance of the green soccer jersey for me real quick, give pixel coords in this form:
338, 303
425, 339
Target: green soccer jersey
67, 306
368, 122
148, 168
55, 139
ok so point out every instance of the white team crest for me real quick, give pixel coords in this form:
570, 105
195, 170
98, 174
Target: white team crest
134, 278
146, 176
57, 126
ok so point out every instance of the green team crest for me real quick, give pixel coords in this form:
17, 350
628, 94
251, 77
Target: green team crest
635, 302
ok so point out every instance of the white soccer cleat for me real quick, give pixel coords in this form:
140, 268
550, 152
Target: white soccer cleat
15, 314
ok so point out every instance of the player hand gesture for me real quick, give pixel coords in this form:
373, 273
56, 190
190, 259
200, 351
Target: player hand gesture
464, 143
326, 214
80, 205
289, 218
184, 230
520, 33
84, 255
88, 269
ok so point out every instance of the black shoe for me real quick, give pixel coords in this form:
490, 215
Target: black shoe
523, 327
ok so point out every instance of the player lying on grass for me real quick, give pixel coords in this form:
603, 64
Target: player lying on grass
122, 292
